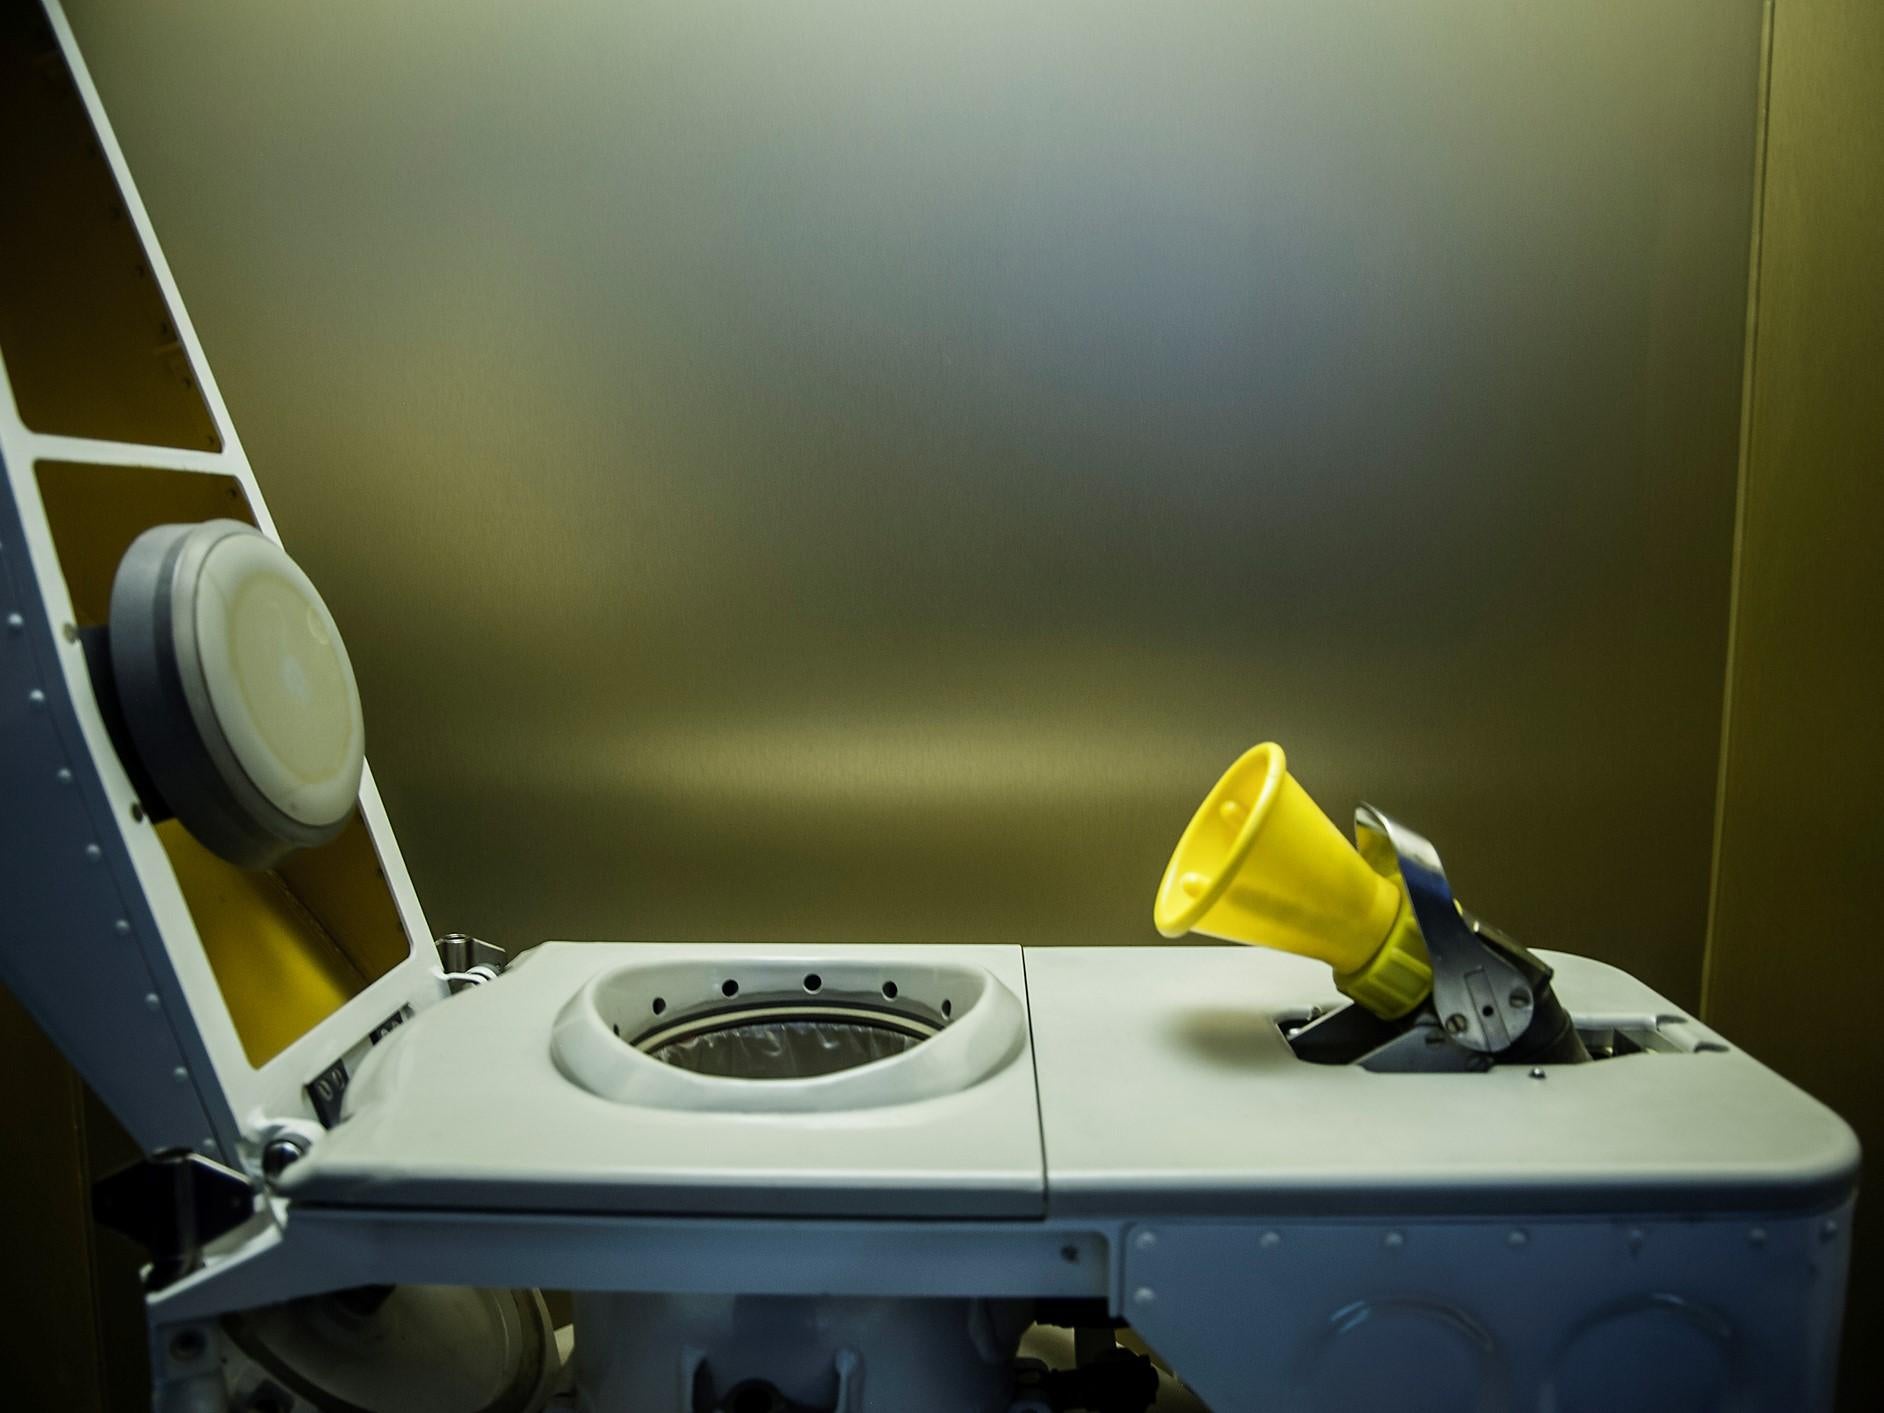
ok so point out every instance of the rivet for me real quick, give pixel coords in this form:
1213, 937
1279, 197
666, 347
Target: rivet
1538, 1072
1144, 1295
93, 853
1270, 1240
1145, 1240
1636, 1238
36, 698
1829, 1229
122, 927
63, 776
1756, 1236
151, 1003
1394, 1240
1516, 1237
209, 1145
180, 1075
15, 623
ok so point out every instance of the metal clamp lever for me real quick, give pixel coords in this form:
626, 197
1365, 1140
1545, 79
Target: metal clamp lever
1485, 985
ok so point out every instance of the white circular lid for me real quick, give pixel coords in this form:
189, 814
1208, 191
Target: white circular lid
278, 679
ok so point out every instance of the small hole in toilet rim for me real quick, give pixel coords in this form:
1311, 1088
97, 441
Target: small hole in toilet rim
814, 982
729, 988
889, 990
660, 1004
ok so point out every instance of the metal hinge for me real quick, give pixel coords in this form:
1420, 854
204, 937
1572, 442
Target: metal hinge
469, 961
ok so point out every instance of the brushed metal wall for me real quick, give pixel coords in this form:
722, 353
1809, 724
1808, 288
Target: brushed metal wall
1794, 941
859, 471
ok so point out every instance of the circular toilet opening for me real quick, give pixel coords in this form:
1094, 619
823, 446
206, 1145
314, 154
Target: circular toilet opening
739, 1030
700, 1032
774, 1042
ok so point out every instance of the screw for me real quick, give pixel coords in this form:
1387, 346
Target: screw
1270, 1240
1456, 1023
1144, 1295
1516, 1237
1537, 1072
282, 1151
15, 623
1145, 1240
1394, 1240
180, 1075
1757, 1236
1520, 999
151, 1002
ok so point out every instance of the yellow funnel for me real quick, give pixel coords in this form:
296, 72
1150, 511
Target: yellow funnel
1260, 863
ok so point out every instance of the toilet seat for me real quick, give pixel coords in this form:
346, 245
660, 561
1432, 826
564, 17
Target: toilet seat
472, 1103
966, 1025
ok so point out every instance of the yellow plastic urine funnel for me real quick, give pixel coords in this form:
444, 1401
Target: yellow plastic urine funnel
1260, 863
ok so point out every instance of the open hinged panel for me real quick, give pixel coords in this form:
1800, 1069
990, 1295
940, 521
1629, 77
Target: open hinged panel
205, 1003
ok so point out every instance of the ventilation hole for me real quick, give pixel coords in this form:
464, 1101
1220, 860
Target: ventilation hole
948, 1009
659, 1005
889, 990
814, 982
729, 987
1485, 1010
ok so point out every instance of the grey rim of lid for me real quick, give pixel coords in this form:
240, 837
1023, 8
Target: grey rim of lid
236, 690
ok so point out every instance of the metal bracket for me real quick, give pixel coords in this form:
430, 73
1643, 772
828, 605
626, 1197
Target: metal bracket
173, 1203
1484, 984
1354, 1035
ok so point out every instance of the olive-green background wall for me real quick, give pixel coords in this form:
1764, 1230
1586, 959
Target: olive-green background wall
824, 472
860, 471
1795, 969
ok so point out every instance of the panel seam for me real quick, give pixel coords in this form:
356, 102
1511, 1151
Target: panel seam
1755, 254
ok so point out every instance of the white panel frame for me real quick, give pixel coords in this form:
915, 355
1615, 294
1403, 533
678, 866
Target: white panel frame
257, 1097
